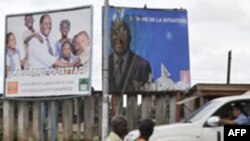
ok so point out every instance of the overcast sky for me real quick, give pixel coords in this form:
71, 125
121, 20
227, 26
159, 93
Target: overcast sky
215, 27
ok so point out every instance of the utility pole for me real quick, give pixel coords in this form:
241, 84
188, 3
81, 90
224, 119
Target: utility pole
105, 82
229, 66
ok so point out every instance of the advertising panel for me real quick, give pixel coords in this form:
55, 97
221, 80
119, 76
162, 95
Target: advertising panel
49, 53
148, 49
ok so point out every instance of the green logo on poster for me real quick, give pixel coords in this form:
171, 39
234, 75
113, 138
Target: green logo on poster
83, 84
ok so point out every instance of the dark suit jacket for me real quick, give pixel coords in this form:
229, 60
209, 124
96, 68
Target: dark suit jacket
135, 78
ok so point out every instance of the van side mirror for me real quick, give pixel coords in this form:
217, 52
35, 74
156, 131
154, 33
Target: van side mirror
213, 121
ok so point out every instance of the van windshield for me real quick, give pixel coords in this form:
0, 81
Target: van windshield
200, 112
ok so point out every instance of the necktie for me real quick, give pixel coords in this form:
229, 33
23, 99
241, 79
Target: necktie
49, 46
119, 74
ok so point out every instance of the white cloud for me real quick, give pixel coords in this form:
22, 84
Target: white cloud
215, 27
217, 11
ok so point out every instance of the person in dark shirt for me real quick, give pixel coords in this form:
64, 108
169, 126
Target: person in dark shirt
146, 128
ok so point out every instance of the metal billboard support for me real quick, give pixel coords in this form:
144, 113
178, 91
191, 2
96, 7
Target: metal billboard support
105, 110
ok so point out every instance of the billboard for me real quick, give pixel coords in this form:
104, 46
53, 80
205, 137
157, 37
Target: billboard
148, 50
49, 53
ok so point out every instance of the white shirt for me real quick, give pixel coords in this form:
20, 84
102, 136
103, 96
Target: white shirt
26, 34
39, 56
85, 57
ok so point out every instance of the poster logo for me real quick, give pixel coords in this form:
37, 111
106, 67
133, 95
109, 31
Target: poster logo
12, 87
83, 84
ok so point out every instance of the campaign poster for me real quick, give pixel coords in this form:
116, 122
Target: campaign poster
49, 53
148, 50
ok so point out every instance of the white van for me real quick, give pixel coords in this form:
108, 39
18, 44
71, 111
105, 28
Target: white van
202, 125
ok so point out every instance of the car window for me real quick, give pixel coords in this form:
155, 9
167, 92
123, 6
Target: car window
247, 107
226, 110
200, 112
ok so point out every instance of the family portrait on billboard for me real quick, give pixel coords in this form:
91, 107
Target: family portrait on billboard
48, 45
148, 50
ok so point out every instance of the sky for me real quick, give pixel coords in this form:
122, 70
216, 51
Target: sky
215, 27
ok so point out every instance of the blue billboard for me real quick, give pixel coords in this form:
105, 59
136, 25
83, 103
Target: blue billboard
153, 47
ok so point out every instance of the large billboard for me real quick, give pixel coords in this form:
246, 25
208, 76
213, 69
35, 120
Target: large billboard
49, 53
148, 50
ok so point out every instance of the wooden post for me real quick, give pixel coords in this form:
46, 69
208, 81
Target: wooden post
132, 111
100, 115
67, 117
178, 116
117, 103
23, 121
172, 109
78, 118
189, 108
8, 120
146, 106
36, 120
201, 101
113, 105
161, 109
89, 117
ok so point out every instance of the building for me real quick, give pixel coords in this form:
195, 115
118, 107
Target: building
201, 93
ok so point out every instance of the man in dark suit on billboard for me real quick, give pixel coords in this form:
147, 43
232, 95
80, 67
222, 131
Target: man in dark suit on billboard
128, 72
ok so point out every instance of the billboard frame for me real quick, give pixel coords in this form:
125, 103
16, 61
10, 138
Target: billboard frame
153, 9
52, 97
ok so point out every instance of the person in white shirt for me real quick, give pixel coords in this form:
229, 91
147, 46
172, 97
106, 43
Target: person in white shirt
14, 60
42, 55
28, 34
83, 48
